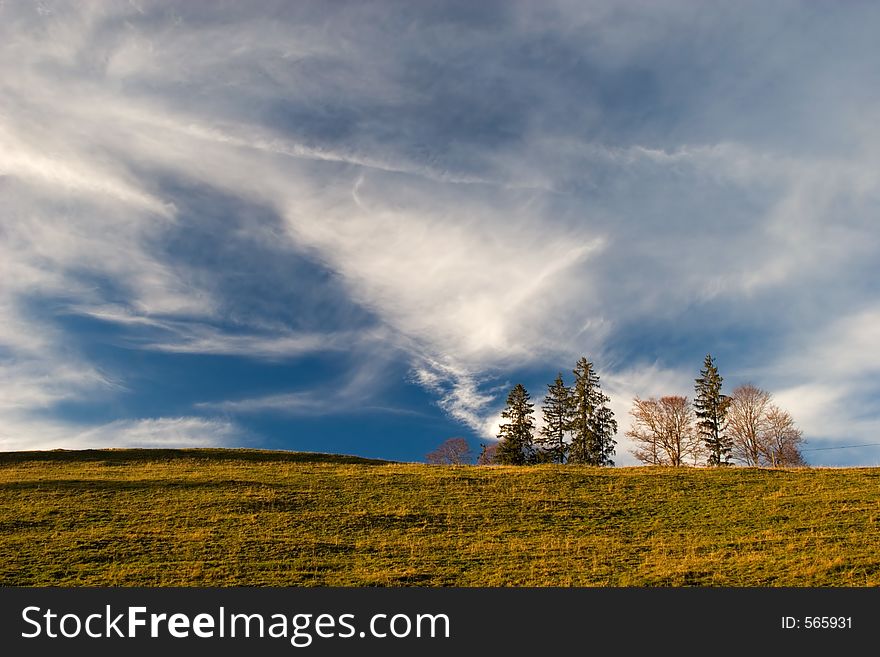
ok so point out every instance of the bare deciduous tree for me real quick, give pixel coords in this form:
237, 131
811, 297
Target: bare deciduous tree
487, 455
747, 423
664, 431
781, 440
454, 451
646, 430
762, 433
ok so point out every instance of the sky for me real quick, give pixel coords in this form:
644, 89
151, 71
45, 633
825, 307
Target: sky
352, 227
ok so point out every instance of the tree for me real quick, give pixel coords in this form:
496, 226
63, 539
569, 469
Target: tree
747, 423
781, 439
710, 407
557, 418
515, 437
487, 454
761, 432
647, 431
663, 429
592, 423
454, 451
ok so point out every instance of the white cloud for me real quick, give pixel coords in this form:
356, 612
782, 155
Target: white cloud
831, 393
459, 394
450, 274
153, 432
203, 340
71, 172
31, 384
356, 391
292, 403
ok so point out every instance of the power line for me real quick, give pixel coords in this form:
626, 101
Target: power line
820, 449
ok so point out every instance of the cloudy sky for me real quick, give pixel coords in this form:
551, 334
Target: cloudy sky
352, 227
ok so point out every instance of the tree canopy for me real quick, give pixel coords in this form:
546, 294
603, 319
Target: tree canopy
592, 422
516, 436
710, 407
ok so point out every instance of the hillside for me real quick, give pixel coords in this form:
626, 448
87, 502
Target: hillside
238, 517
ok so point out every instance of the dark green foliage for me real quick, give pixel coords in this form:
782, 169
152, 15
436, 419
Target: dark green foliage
557, 410
592, 423
711, 408
516, 436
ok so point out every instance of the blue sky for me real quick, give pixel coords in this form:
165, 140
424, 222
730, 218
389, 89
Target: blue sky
351, 227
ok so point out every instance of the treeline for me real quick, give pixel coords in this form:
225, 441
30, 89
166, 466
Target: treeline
579, 427
745, 427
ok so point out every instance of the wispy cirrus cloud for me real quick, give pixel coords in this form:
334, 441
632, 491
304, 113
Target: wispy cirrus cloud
177, 432
357, 391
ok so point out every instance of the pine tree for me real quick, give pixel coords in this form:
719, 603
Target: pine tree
557, 418
515, 438
592, 423
711, 407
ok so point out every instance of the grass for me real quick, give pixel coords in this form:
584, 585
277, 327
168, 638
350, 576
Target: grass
249, 518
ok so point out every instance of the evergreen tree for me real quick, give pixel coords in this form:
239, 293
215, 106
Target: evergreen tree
557, 418
515, 438
711, 407
592, 423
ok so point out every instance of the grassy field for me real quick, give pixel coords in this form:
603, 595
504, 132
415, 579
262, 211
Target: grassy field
233, 518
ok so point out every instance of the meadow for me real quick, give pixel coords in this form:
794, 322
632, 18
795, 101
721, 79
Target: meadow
252, 518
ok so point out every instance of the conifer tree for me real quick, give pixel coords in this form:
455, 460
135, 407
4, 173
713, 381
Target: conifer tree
710, 407
592, 423
516, 437
557, 411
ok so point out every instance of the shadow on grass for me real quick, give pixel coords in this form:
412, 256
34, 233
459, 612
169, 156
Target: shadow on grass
107, 486
120, 456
